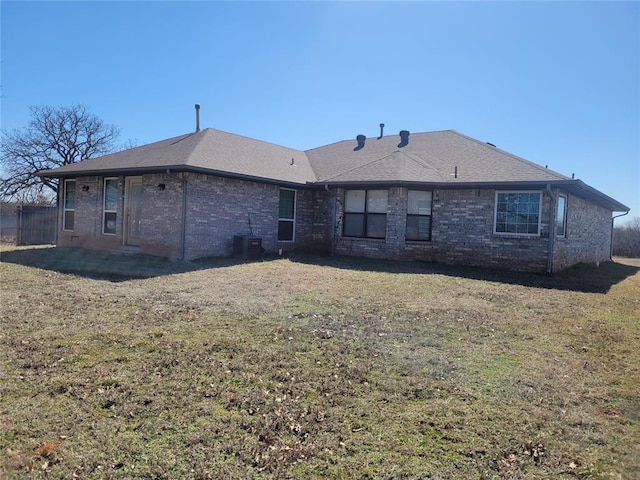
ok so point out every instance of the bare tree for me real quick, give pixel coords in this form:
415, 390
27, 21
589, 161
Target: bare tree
53, 138
626, 239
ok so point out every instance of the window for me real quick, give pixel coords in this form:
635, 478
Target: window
69, 204
561, 217
365, 213
419, 215
286, 215
109, 206
518, 213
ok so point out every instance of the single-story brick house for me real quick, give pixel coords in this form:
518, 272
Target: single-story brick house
437, 196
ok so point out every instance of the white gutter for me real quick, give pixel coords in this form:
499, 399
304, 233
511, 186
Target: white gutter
611, 243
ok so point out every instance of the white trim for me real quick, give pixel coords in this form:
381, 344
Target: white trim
64, 205
292, 220
564, 216
419, 215
515, 234
104, 210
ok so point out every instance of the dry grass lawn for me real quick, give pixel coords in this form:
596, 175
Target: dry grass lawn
133, 367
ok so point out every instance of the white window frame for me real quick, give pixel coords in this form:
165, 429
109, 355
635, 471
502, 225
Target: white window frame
287, 220
65, 209
564, 217
517, 234
420, 215
104, 206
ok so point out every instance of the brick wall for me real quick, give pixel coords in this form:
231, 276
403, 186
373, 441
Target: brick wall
313, 225
218, 208
161, 222
588, 235
87, 230
462, 233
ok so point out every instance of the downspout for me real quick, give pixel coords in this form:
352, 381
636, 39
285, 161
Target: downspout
332, 231
552, 231
611, 242
183, 234
58, 209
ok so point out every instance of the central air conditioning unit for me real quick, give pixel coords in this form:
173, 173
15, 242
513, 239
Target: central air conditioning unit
247, 246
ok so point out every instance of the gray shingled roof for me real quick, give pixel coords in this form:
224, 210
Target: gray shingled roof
430, 158
209, 150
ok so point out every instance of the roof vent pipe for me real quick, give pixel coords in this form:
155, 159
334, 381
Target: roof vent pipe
197, 118
360, 139
381, 130
404, 138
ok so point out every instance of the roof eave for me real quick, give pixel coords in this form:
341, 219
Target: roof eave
172, 169
106, 171
446, 185
577, 187
583, 190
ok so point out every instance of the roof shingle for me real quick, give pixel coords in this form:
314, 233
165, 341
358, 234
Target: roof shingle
428, 158
208, 150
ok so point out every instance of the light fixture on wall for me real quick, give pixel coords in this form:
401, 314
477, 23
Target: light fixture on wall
85, 188
161, 186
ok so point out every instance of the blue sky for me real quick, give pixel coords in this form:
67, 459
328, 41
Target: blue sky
557, 83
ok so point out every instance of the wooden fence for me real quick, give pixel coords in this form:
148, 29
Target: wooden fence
36, 224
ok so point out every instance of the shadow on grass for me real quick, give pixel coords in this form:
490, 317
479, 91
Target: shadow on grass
587, 278
102, 265
118, 267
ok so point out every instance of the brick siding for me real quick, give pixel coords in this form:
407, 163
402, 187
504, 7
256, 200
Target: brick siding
462, 226
218, 208
87, 230
588, 235
161, 223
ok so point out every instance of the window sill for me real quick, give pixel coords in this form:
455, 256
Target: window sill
369, 239
518, 235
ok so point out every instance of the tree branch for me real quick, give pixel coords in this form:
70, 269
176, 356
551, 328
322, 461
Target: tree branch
54, 137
